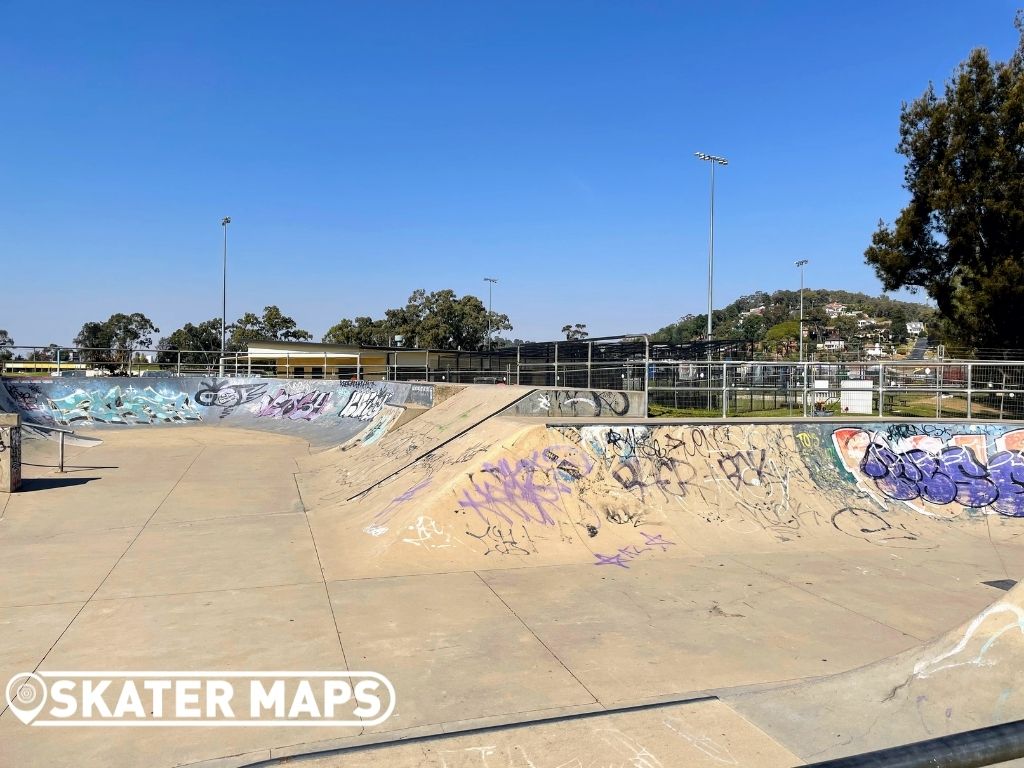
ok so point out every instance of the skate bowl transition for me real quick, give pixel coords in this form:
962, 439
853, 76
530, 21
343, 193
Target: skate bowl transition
547, 577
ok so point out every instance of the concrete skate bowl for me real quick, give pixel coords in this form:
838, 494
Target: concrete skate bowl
512, 494
501, 567
669, 562
324, 412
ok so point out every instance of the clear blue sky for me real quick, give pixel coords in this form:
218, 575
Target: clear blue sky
365, 149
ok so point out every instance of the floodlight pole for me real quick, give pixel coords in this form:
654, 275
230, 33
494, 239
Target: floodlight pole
714, 160
224, 295
490, 285
801, 264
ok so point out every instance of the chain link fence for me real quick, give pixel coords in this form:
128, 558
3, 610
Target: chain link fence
931, 388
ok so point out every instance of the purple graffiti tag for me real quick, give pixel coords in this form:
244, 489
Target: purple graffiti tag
1007, 471
615, 559
657, 540
527, 489
380, 520
955, 474
622, 556
305, 406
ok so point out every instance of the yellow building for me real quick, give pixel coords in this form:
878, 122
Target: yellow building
307, 360
45, 368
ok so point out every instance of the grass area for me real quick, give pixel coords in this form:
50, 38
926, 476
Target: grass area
915, 407
951, 407
668, 412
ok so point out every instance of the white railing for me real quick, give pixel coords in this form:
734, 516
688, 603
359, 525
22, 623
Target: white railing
934, 388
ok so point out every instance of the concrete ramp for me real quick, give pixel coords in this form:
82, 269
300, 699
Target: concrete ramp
971, 677
377, 453
506, 493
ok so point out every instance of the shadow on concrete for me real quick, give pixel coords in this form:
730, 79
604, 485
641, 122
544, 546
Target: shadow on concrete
67, 467
44, 483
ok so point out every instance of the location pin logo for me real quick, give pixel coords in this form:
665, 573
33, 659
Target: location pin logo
26, 695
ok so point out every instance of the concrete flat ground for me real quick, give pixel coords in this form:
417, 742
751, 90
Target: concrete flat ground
205, 548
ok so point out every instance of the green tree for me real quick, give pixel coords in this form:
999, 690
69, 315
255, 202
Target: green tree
96, 338
6, 342
961, 236
790, 329
273, 325
438, 320
688, 328
575, 332
753, 328
115, 339
365, 330
898, 329
846, 327
280, 327
198, 344
130, 332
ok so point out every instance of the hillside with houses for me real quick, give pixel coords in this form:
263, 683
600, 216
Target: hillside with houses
833, 321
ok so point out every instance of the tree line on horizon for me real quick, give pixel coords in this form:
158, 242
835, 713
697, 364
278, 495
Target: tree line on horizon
442, 320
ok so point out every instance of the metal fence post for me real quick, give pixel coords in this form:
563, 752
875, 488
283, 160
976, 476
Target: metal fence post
804, 375
177, 369
60, 454
969, 383
881, 389
647, 376
518, 350
556, 363
725, 390
590, 357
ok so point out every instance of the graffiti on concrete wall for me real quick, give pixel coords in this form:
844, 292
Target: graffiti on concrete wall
624, 555
365, 404
228, 395
624, 490
910, 464
295, 406
10, 458
617, 481
526, 489
116, 405
572, 402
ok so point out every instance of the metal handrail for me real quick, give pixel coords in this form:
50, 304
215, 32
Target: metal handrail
49, 428
60, 450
